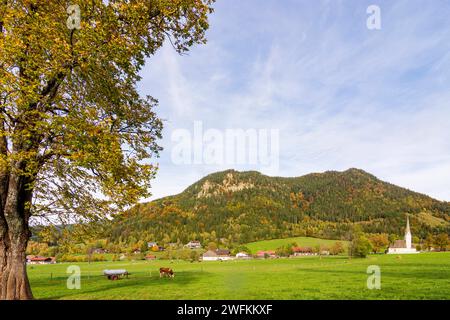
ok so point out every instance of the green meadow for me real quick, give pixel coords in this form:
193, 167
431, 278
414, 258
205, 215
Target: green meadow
420, 276
301, 241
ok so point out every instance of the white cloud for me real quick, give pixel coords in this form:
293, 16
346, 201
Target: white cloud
342, 96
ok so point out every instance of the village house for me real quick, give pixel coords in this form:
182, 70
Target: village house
266, 254
223, 252
243, 255
155, 247
302, 251
151, 244
194, 245
217, 255
210, 256
99, 251
40, 260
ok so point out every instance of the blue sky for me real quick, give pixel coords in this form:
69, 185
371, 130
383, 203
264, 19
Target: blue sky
339, 94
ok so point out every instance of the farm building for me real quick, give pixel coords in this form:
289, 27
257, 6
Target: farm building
150, 257
193, 245
152, 244
302, 251
217, 255
243, 255
156, 248
266, 254
40, 260
99, 251
223, 252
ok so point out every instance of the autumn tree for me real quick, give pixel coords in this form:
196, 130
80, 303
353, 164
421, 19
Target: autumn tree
441, 241
212, 246
428, 242
75, 135
337, 248
299, 201
379, 241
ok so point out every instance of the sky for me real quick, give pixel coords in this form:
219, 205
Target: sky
328, 92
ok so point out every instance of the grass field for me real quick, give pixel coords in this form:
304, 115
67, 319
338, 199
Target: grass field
301, 241
421, 276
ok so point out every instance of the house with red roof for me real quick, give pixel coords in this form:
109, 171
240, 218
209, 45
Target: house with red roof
266, 254
40, 260
302, 251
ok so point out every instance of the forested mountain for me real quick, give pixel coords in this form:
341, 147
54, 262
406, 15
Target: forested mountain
239, 207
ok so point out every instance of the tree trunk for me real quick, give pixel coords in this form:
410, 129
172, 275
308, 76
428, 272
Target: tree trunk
14, 284
14, 236
3, 254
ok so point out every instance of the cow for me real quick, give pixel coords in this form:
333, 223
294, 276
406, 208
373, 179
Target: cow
166, 272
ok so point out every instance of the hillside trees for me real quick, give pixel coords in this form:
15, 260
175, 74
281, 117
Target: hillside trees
324, 205
269, 211
74, 132
441, 242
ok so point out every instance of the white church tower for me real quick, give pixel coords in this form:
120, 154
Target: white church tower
403, 246
408, 237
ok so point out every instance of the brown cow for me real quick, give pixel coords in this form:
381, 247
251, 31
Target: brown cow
166, 272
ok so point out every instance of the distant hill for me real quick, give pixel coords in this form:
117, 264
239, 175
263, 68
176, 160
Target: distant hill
241, 207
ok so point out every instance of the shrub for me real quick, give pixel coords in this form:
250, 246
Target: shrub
379, 242
337, 248
360, 246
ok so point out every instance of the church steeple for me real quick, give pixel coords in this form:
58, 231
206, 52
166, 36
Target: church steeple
408, 237
404, 246
407, 226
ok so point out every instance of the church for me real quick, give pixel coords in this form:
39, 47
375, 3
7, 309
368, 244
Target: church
403, 246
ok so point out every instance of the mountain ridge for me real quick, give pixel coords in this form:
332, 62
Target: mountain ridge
244, 206
312, 174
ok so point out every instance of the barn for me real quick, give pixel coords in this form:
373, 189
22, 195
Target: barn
217, 255
40, 260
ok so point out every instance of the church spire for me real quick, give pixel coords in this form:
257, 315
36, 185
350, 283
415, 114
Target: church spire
407, 225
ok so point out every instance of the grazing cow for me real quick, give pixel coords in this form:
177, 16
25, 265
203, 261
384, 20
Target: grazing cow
166, 272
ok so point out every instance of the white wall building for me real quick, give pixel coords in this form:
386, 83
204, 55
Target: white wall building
218, 255
403, 246
193, 245
242, 255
